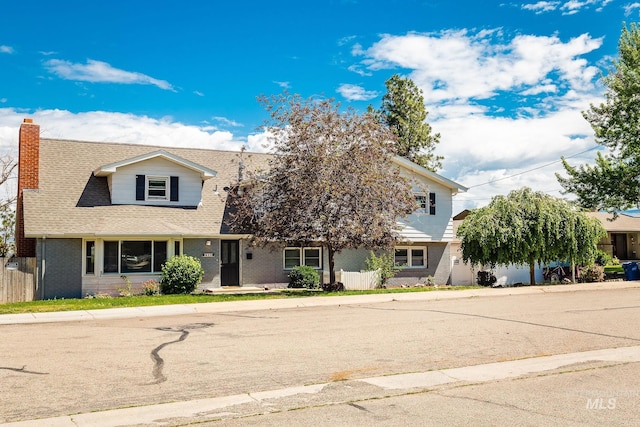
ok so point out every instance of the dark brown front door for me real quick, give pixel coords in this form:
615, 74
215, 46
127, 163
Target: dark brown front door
619, 241
230, 268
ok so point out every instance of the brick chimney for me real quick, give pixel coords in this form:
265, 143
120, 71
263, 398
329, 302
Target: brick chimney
28, 179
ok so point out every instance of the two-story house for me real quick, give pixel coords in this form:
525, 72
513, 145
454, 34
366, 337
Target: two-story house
92, 212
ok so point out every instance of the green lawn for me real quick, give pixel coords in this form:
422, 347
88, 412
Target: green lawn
139, 301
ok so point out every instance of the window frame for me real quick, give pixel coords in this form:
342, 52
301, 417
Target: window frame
410, 257
119, 261
302, 256
167, 187
421, 201
89, 258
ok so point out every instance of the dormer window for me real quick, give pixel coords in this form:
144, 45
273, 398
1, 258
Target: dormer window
157, 188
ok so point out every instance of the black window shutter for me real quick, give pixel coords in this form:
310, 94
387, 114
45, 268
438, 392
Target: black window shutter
432, 203
174, 189
140, 184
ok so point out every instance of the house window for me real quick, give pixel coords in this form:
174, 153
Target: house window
159, 254
111, 264
421, 201
410, 257
90, 257
157, 188
134, 256
291, 258
311, 257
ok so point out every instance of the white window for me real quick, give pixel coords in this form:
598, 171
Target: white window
311, 257
157, 188
426, 202
410, 257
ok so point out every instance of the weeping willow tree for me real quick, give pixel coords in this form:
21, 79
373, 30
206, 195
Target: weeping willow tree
529, 228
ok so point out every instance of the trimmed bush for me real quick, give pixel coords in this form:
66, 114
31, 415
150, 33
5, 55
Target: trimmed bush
180, 275
304, 277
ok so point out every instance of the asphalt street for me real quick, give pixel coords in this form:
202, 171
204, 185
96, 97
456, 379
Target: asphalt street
523, 356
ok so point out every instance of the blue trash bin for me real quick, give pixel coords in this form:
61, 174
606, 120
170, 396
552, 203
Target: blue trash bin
631, 270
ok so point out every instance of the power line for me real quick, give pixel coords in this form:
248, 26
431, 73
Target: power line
491, 198
533, 169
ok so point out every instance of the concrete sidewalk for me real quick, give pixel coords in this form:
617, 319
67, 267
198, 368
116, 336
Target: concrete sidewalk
284, 303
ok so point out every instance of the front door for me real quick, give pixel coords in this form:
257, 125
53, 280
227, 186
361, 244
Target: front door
230, 263
619, 241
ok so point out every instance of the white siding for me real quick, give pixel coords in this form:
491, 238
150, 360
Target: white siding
438, 226
123, 182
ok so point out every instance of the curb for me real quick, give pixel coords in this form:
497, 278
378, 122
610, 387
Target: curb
284, 303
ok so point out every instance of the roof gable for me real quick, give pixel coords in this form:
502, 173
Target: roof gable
205, 173
424, 172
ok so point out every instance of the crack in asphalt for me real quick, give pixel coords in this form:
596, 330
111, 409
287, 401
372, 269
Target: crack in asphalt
158, 362
23, 370
362, 408
523, 322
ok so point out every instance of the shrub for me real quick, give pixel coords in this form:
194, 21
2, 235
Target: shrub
150, 288
385, 263
603, 258
333, 287
592, 273
125, 291
303, 276
180, 275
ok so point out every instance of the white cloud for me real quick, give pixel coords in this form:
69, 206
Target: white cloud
463, 77
226, 121
104, 126
541, 6
355, 92
197, 92
629, 8
454, 65
101, 72
6, 49
283, 85
357, 68
548, 88
570, 7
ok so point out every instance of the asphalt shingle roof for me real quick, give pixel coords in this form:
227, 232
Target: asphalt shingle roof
71, 202
623, 223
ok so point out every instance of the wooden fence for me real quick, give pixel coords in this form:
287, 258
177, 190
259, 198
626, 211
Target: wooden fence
17, 280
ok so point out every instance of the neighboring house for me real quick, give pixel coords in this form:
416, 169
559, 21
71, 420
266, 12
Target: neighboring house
622, 235
92, 212
464, 274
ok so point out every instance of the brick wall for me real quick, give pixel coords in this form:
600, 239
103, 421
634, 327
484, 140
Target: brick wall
28, 179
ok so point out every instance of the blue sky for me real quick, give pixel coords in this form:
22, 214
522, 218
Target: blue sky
504, 82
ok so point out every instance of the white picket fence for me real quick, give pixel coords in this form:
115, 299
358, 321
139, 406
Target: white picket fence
354, 280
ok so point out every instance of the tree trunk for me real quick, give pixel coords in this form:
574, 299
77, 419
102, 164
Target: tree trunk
332, 272
532, 273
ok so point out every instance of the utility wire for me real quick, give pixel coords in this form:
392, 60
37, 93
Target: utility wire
533, 169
